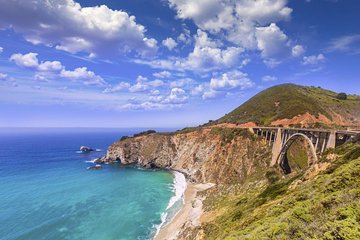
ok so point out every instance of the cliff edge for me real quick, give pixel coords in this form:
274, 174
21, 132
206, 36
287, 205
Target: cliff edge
205, 155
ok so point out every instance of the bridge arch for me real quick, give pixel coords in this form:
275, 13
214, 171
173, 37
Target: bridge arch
282, 158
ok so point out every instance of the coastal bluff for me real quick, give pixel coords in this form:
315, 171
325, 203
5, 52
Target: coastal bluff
204, 155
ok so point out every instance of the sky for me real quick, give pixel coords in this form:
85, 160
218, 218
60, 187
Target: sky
166, 63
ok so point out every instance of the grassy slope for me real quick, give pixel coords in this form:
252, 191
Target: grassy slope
323, 207
292, 100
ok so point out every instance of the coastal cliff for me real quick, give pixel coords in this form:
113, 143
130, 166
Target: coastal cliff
205, 155
233, 193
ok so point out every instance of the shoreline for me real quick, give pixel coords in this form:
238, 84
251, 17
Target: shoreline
189, 214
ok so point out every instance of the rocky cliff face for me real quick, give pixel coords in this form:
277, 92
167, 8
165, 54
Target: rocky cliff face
204, 155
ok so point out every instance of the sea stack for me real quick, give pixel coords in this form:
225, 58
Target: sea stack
86, 149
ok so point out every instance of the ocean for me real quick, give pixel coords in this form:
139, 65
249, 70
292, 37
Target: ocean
47, 192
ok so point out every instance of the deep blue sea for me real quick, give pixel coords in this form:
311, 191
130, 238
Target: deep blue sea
46, 191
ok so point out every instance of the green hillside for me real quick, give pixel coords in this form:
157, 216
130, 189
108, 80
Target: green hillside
298, 207
288, 101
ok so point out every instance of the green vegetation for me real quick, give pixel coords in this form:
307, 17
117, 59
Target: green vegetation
144, 133
297, 155
288, 101
342, 96
228, 134
124, 138
323, 207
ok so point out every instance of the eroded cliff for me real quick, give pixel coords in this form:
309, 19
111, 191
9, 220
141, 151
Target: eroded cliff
205, 155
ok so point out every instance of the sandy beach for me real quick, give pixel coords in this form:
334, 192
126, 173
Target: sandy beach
189, 214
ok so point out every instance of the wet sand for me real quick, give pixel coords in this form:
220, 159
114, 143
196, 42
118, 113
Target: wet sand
189, 214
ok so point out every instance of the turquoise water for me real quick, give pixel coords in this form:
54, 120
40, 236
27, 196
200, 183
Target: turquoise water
47, 193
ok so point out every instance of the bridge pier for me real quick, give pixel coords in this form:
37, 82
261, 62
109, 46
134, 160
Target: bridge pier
276, 147
331, 143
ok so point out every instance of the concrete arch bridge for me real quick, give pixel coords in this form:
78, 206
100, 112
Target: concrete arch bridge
318, 140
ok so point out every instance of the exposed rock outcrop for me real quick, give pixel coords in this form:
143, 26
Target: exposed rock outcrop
202, 155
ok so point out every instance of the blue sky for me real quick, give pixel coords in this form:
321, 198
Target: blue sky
168, 63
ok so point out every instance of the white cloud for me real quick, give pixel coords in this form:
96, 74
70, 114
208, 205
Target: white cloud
185, 36
249, 24
314, 59
27, 60
163, 74
271, 41
297, 51
231, 80
207, 55
54, 69
197, 90
177, 96
175, 99
208, 94
170, 43
82, 74
139, 87
48, 66
1, 49
269, 78
263, 11
141, 78
156, 83
30, 60
118, 87
3, 76
201, 11
143, 85
155, 92
348, 44
65, 24
182, 82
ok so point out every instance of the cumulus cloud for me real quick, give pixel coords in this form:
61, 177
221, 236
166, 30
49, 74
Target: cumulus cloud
118, 87
271, 41
231, 80
207, 55
313, 59
248, 24
177, 96
170, 43
28, 60
297, 51
182, 82
185, 36
143, 85
82, 74
66, 25
163, 74
263, 11
268, 78
53, 69
175, 99
223, 85
1, 49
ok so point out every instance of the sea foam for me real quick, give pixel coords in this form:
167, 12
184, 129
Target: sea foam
175, 202
179, 187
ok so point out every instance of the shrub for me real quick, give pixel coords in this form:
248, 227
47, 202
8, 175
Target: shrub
341, 96
144, 133
124, 137
353, 154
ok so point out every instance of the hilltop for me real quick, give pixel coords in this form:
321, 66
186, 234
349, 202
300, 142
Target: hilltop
290, 104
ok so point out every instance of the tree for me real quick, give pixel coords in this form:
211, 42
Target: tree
341, 96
